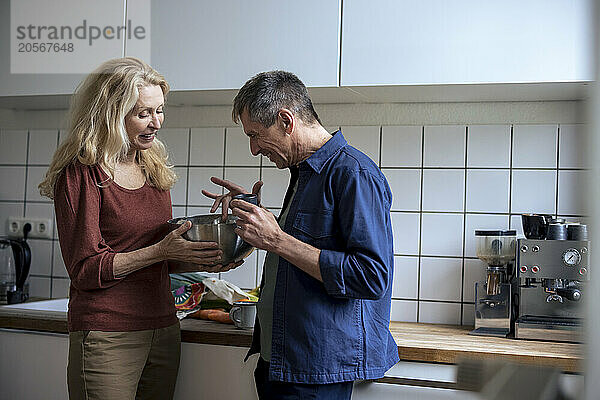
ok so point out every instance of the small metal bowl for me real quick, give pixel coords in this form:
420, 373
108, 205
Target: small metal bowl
211, 228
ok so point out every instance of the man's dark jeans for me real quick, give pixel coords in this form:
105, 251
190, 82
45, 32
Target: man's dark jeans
273, 390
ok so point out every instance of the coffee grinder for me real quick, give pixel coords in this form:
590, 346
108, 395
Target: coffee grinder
493, 306
552, 271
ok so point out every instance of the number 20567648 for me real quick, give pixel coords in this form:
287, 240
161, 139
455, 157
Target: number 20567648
45, 47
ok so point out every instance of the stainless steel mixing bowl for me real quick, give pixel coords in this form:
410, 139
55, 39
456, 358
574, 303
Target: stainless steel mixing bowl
211, 228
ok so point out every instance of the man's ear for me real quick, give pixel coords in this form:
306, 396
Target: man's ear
287, 120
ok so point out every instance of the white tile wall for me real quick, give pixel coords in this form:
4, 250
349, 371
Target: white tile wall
534, 146
534, 191
39, 286
442, 234
488, 146
13, 183
571, 199
443, 190
406, 188
199, 178
177, 143
237, 149
487, 190
439, 313
179, 190
197, 210
13, 147
34, 176
571, 144
438, 201
245, 177
406, 233
444, 146
41, 257
364, 138
401, 146
60, 288
404, 311
440, 279
207, 146
42, 145
406, 277
58, 266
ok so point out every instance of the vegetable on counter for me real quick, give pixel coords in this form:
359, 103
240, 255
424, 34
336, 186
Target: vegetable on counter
218, 315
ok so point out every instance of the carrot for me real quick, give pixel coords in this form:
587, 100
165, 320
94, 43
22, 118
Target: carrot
220, 316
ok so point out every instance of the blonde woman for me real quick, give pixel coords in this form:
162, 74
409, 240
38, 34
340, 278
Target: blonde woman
110, 182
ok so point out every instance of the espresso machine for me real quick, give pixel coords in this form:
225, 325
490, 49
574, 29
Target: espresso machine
553, 267
493, 297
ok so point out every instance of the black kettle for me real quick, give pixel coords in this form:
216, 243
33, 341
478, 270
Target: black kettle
22, 257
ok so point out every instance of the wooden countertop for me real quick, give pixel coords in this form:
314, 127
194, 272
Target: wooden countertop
450, 344
416, 341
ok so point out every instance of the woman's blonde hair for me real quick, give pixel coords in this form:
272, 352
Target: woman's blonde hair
97, 133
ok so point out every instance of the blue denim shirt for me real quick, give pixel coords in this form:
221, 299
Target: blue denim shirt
337, 330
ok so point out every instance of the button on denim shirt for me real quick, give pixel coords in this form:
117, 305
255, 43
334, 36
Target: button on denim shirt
337, 330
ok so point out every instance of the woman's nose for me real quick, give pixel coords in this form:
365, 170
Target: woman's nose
155, 122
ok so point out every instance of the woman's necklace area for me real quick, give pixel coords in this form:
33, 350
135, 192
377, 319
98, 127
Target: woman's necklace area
129, 175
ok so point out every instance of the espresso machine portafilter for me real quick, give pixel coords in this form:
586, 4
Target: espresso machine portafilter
493, 306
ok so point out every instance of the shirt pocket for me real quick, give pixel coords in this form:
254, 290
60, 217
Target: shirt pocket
315, 228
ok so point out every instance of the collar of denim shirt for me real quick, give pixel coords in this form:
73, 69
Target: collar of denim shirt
319, 158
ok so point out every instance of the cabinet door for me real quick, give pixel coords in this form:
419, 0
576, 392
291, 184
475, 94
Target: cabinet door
221, 44
22, 84
389, 42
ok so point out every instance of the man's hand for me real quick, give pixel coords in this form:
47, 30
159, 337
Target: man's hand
225, 199
256, 225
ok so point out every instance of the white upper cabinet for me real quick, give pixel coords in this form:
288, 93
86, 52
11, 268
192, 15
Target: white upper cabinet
220, 44
390, 42
26, 84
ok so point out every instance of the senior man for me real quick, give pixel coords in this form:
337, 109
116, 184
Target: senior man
324, 310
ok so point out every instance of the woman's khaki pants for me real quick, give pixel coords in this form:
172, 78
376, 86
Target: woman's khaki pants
123, 365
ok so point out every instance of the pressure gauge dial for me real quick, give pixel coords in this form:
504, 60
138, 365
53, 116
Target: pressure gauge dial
571, 257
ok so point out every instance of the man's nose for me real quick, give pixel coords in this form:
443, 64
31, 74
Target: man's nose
254, 149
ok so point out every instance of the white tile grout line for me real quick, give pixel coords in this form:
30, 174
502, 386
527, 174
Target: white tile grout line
420, 223
462, 263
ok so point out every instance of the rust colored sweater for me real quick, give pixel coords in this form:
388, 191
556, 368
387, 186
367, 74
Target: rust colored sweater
94, 223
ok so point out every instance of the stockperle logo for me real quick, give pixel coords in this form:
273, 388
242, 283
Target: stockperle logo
75, 36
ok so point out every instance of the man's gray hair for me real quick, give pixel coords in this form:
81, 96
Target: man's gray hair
267, 92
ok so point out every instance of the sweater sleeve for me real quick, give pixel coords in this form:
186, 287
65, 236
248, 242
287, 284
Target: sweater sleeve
87, 257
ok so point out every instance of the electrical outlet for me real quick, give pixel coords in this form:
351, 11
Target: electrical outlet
41, 228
